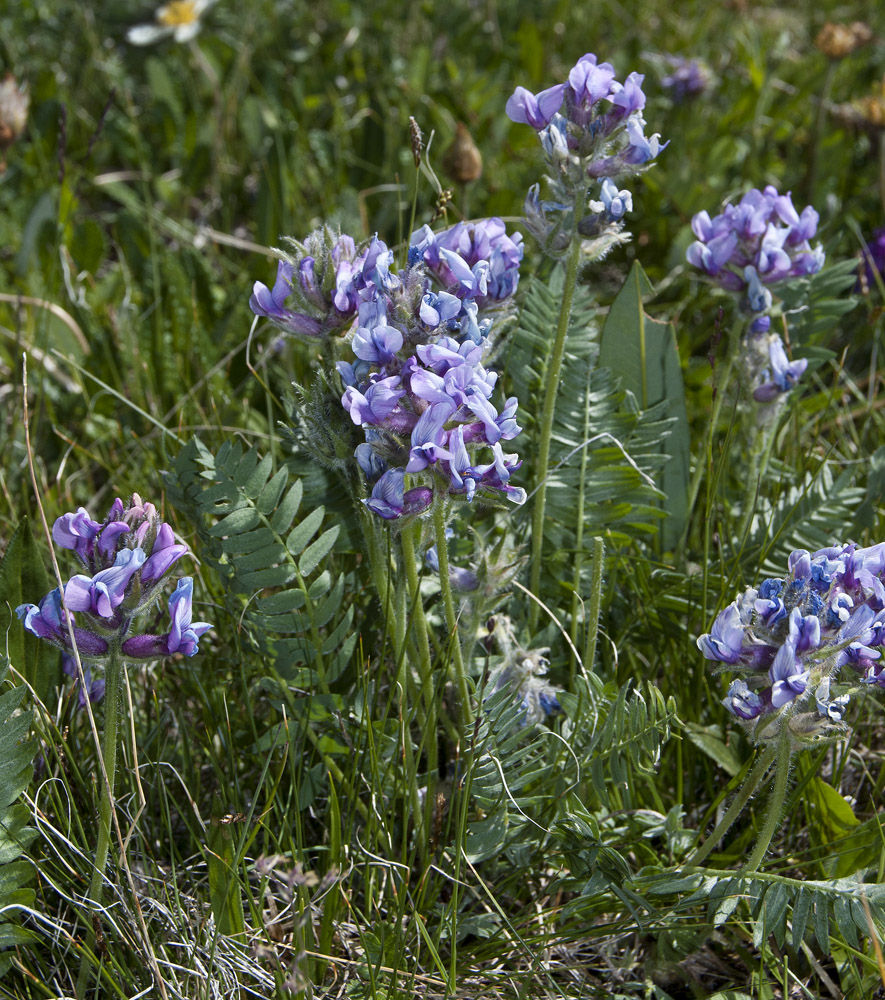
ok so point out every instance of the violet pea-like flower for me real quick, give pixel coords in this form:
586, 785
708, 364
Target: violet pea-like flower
588, 82
428, 437
783, 374
438, 309
391, 500
164, 554
76, 531
269, 303
742, 702
378, 344
788, 676
537, 110
725, 640
106, 591
47, 621
374, 405
185, 633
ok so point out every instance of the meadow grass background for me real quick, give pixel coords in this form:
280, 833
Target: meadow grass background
271, 845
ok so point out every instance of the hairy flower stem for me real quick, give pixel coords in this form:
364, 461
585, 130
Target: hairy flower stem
751, 783
554, 366
445, 586
113, 673
425, 667
775, 804
734, 344
594, 606
759, 458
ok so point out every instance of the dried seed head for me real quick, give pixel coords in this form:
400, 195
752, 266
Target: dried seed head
14, 102
865, 112
462, 161
839, 40
417, 141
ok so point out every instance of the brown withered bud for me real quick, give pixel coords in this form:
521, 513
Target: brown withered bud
14, 102
442, 204
839, 40
864, 113
462, 161
417, 141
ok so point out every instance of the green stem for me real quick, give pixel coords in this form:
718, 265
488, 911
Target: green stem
759, 460
425, 667
579, 540
445, 586
819, 122
775, 805
114, 672
734, 344
595, 605
740, 800
549, 408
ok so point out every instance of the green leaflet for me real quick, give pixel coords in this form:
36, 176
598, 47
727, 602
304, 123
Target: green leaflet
643, 352
801, 516
248, 516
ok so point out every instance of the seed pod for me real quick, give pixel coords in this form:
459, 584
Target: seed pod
462, 161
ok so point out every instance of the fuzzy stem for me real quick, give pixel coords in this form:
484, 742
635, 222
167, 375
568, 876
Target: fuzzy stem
759, 459
554, 367
114, 671
734, 343
425, 667
740, 800
775, 805
445, 586
595, 606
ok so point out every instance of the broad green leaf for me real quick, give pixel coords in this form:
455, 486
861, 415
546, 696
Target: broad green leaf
708, 739
822, 922
844, 920
801, 912
643, 352
223, 865
24, 580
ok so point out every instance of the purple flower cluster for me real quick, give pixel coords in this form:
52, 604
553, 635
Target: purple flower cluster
326, 278
761, 241
790, 637
591, 129
688, 78
418, 387
126, 557
591, 117
874, 258
472, 243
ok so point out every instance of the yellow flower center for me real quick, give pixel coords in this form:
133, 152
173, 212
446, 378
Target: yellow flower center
176, 13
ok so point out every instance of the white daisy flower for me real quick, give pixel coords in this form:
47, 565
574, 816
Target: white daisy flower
179, 18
